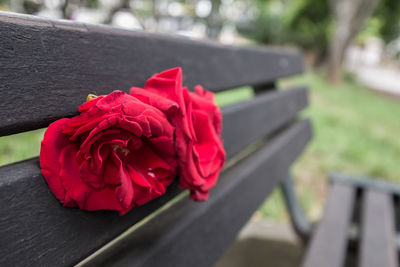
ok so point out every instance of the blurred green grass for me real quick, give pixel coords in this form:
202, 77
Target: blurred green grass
20, 146
355, 131
233, 96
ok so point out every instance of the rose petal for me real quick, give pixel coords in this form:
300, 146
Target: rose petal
52, 144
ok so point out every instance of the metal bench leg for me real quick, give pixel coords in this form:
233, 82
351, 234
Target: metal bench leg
300, 223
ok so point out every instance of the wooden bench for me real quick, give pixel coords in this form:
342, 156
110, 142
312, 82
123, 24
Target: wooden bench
47, 69
359, 226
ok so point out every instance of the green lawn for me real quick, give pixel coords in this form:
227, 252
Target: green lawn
355, 131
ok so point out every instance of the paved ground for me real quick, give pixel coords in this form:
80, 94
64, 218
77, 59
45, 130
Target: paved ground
379, 78
262, 243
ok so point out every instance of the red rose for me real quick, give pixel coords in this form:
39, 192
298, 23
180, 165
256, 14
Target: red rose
198, 123
118, 153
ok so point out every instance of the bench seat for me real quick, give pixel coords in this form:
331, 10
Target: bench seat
358, 226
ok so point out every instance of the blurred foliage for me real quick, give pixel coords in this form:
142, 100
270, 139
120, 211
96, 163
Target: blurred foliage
372, 28
388, 13
4, 4
385, 23
304, 23
309, 24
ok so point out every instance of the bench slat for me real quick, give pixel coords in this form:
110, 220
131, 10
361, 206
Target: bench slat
329, 242
48, 67
378, 241
36, 229
267, 113
196, 234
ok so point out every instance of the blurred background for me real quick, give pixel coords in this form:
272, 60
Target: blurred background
352, 52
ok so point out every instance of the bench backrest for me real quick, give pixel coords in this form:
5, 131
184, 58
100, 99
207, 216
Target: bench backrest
47, 69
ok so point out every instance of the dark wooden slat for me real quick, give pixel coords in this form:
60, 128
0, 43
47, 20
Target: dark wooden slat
36, 228
378, 241
366, 182
329, 242
36, 231
47, 67
196, 234
267, 113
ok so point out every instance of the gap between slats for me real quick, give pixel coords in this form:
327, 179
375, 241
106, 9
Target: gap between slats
276, 108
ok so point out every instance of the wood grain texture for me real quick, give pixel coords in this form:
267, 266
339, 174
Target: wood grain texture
196, 234
35, 228
378, 240
36, 231
329, 242
47, 67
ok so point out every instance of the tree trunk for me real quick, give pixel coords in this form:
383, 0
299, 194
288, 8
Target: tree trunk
350, 16
338, 47
214, 21
119, 6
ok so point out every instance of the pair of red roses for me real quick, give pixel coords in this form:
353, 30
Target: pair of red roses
123, 150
